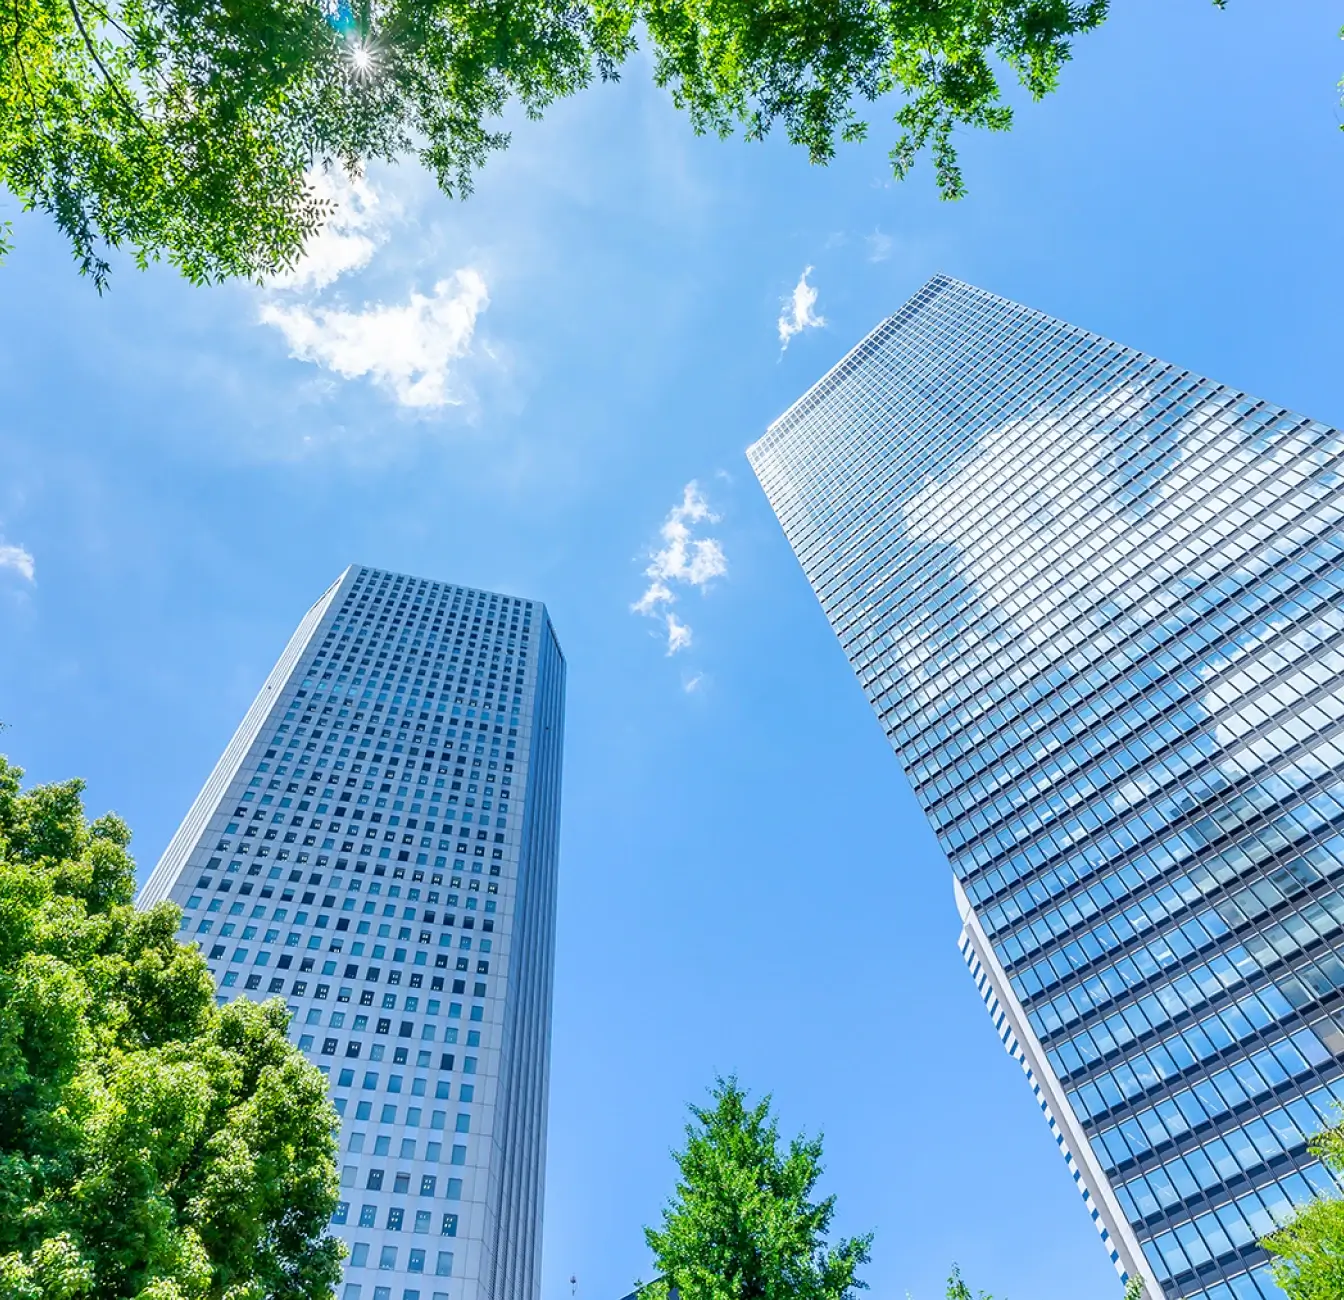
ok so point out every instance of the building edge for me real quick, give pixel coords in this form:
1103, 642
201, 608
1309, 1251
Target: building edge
1021, 1043
169, 867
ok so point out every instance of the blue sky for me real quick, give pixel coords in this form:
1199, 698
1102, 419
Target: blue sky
747, 883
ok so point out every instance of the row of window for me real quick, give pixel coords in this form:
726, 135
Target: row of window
1239, 1224
1228, 1155
401, 1182
1142, 575
1133, 750
1116, 564
396, 1217
1298, 1054
1295, 823
1170, 598
1210, 794
1186, 623
1209, 1100
417, 1260
1203, 1040
1194, 986
355, 1291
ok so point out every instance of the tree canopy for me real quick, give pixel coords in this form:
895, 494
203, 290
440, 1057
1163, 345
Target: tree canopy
188, 129
743, 1224
1309, 1249
152, 1144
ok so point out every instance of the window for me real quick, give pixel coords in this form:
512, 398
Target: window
387, 1258
375, 1183
394, 1219
449, 1228
402, 1184
417, 1262
368, 1216
341, 1212
444, 1265
422, 1218
427, 1182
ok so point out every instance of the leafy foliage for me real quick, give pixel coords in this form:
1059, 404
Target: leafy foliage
152, 1145
1310, 1248
806, 63
187, 129
958, 1290
743, 1224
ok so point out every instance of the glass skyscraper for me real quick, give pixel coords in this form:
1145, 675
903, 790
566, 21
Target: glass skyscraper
1097, 603
378, 846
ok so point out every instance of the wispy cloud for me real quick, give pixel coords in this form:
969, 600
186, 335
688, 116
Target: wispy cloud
358, 225
684, 559
692, 684
678, 634
879, 246
408, 348
19, 559
798, 314
411, 347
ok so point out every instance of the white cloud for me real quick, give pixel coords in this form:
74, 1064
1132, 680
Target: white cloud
678, 635
657, 594
408, 348
358, 225
879, 246
18, 559
798, 315
683, 558
692, 683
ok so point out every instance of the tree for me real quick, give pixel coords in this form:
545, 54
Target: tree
152, 1145
189, 129
958, 1290
742, 1224
1310, 1247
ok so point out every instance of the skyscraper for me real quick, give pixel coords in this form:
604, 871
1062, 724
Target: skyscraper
1097, 603
378, 845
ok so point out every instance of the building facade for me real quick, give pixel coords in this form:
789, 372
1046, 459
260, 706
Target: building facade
378, 845
1097, 603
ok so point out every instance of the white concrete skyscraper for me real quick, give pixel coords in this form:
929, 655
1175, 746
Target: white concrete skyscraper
378, 845
1097, 604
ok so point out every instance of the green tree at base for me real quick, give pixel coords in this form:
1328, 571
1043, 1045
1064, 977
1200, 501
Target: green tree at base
152, 1145
743, 1224
1309, 1249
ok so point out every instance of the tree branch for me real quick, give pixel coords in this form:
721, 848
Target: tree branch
102, 67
